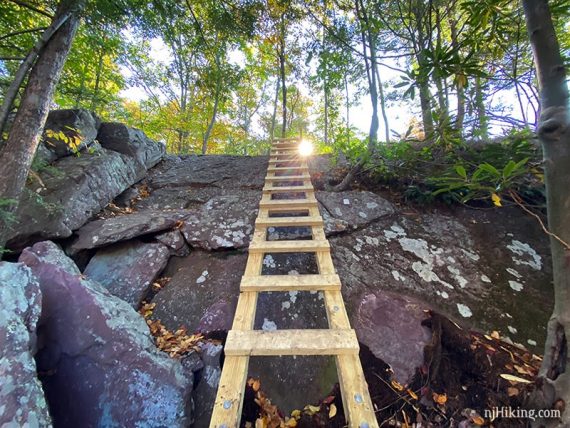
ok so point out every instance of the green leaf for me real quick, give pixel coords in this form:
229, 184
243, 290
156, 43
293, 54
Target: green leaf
461, 171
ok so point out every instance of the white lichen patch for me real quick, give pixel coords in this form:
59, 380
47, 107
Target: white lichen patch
485, 278
442, 294
534, 260
531, 342
471, 255
517, 286
397, 275
337, 211
512, 330
293, 296
514, 273
395, 232
371, 205
464, 310
371, 240
362, 214
457, 276
285, 305
268, 325
346, 201
202, 278
269, 261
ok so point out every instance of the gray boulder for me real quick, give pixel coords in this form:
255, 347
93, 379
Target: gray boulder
103, 232
128, 269
224, 221
21, 395
79, 126
131, 142
175, 242
76, 188
104, 368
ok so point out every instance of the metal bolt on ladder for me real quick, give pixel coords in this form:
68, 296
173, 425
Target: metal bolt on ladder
338, 340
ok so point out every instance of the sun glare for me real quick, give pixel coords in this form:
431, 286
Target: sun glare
305, 148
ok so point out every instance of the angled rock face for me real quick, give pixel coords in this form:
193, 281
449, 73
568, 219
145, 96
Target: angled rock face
22, 401
108, 231
76, 189
131, 142
104, 369
224, 221
78, 125
174, 241
128, 269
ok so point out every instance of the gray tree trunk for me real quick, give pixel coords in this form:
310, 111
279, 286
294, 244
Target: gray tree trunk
18, 152
554, 134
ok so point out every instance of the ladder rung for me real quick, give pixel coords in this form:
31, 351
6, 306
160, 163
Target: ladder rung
290, 283
288, 246
288, 168
289, 203
291, 342
278, 161
289, 221
287, 189
288, 178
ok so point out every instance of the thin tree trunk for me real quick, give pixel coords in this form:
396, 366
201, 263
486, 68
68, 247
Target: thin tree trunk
94, 99
274, 115
18, 152
26, 64
213, 119
554, 134
347, 108
383, 106
482, 119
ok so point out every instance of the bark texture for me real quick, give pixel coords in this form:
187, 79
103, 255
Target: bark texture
554, 134
18, 152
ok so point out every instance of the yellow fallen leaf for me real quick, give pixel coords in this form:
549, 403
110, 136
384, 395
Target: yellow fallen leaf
256, 385
291, 422
311, 410
412, 394
512, 378
496, 199
260, 423
332, 411
296, 414
495, 335
397, 385
478, 420
439, 398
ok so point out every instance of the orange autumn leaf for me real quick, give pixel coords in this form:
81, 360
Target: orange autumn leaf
439, 398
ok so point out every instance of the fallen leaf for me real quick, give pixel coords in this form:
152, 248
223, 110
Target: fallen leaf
439, 398
512, 378
296, 414
496, 199
332, 411
311, 410
397, 385
477, 420
256, 385
495, 335
291, 422
412, 394
512, 391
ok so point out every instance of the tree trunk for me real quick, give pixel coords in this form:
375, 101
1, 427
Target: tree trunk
12, 92
94, 99
274, 115
554, 134
213, 119
18, 152
425, 102
482, 119
383, 106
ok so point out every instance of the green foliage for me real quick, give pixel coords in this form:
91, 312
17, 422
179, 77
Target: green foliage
6, 211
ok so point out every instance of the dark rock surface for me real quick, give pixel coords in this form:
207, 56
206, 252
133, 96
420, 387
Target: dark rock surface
108, 231
390, 325
77, 124
104, 368
174, 241
208, 379
131, 142
128, 269
22, 401
197, 282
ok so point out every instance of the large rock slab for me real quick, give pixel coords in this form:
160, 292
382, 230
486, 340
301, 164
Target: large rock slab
489, 271
128, 269
224, 221
22, 401
76, 188
79, 126
131, 142
348, 210
104, 368
108, 231
197, 282
219, 171
390, 325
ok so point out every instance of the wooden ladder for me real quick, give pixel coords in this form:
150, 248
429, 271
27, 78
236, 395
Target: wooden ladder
339, 340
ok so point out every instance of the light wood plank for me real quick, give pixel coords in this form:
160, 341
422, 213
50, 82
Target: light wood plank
289, 221
354, 389
290, 283
229, 399
291, 342
288, 168
287, 189
336, 311
301, 177
289, 204
288, 246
